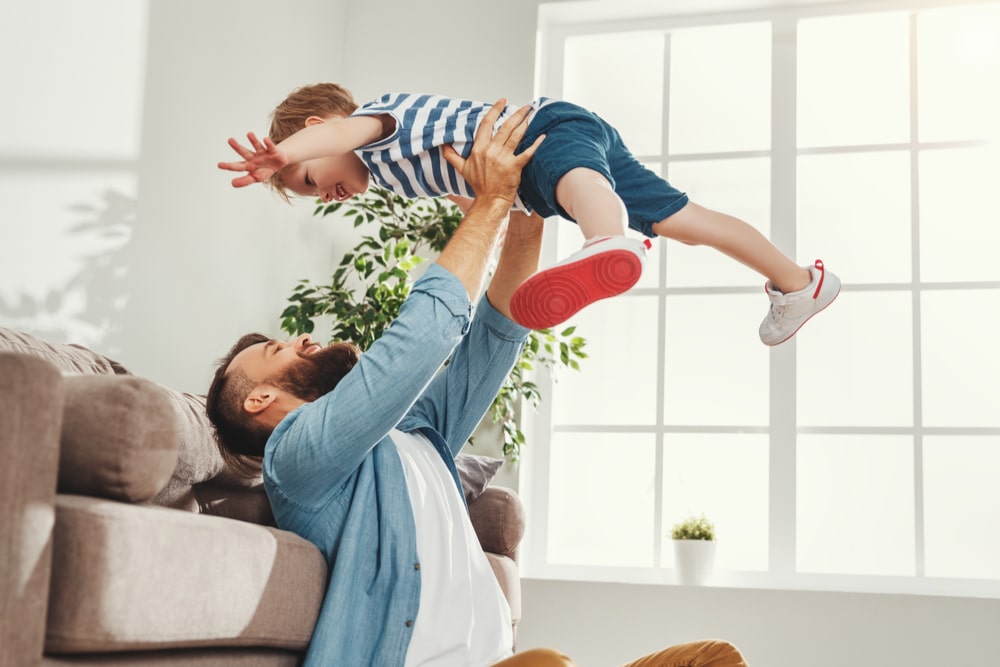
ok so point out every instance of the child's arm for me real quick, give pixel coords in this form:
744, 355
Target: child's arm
334, 136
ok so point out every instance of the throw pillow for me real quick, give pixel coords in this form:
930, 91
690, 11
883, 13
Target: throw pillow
476, 472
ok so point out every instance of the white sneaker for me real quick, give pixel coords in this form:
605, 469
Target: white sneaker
790, 311
604, 267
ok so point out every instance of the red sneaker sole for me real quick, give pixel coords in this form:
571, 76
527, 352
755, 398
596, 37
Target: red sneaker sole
553, 296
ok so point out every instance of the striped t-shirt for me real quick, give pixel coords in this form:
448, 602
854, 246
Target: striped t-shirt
409, 161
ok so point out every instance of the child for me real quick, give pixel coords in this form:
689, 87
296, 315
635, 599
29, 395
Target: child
322, 144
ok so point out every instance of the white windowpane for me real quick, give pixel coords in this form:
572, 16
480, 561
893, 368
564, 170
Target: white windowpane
962, 506
61, 270
716, 370
81, 96
741, 188
601, 491
616, 384
725, 477
854, 213
602, 74
959, 65
855, 362
720, 88
855, 505
961, 363
959, 214
853, 80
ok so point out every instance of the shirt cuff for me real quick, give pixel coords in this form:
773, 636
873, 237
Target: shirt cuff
442, 284
499, 323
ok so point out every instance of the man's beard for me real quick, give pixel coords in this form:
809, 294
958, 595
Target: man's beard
315, 375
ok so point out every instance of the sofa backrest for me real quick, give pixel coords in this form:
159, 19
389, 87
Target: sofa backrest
128, 438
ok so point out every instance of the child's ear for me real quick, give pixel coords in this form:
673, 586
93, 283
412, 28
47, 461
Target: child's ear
314, 120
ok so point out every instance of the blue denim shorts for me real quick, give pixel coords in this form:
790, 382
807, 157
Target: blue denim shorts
575, 137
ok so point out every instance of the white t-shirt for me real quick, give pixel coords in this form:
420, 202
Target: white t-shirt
464, 619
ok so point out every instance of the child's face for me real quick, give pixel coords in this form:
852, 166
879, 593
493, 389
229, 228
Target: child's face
334, 178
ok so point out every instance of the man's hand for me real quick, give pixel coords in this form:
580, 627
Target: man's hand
494, 172
492, 169
265, 160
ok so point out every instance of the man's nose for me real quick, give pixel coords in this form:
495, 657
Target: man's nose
303, 341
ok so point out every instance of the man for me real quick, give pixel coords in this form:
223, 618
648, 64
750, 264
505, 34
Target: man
357, 451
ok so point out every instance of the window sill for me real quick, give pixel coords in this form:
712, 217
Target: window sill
827, 583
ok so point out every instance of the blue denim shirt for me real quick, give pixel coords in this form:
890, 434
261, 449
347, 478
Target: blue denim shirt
333, 475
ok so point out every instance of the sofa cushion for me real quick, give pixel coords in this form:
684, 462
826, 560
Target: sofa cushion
67, 358
476, 472
128, 577
119, 437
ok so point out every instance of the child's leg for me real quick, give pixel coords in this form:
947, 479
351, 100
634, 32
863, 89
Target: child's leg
590, 200
796, 293
609, 263
697, 225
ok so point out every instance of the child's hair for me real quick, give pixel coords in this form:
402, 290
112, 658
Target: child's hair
320, 99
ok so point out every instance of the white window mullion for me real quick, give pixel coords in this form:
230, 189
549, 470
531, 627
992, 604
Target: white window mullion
661, 331
782, 365
918, 438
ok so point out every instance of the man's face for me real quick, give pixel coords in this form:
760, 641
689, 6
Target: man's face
300, 367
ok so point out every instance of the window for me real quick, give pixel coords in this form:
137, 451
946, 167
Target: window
860, 455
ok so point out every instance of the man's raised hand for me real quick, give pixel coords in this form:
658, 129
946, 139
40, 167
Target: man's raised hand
492, 168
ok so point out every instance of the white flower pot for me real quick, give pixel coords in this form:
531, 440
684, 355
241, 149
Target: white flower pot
694, 561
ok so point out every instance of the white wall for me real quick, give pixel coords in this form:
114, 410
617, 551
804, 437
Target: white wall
206, 263
210, 263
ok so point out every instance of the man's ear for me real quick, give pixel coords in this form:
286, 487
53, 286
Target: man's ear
260, 398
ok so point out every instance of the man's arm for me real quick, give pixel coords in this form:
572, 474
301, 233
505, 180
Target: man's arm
315, 449
518, 259
459, 396
494, 172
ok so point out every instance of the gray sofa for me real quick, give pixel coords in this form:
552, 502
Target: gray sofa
127, 541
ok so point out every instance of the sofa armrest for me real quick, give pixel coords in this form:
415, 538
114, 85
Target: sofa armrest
31, 407
498, 517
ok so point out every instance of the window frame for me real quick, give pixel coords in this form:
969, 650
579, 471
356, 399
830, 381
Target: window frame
560, 21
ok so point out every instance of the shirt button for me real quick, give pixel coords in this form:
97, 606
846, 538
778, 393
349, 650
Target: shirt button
409, 624
416, 566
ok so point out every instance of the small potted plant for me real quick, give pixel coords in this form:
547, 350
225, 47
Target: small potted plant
694, 550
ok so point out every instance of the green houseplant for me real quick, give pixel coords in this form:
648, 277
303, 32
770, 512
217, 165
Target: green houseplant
365, 292
694, 528
694, 549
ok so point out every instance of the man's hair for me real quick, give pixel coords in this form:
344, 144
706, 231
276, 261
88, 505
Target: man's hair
320, 99
240, 437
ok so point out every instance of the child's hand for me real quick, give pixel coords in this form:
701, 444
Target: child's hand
261, 163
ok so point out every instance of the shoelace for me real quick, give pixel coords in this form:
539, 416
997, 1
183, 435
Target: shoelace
776, 313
